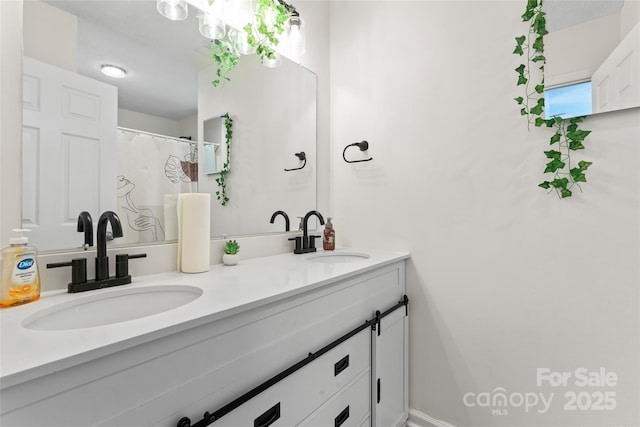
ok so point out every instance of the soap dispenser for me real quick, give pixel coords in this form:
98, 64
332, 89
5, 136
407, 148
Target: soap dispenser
329, 236
20, 277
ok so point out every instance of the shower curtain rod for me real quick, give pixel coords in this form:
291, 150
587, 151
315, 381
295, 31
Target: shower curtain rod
141, 132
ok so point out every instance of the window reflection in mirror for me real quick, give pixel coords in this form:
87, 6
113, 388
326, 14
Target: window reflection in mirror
596, 41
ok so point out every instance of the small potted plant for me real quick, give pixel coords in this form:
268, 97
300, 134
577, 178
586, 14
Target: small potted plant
231, 249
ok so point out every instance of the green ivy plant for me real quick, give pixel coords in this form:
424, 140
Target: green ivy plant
568, 137
221, 194
260, 35
226, 59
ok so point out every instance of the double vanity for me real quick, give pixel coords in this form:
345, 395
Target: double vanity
314, 340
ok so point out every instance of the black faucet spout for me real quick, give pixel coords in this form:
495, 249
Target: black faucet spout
284, 215
102, 261
85, 224
305, 222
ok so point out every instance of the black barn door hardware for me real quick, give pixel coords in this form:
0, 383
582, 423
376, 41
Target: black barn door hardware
270, 415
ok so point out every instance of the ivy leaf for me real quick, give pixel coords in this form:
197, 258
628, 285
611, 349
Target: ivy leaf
539, 108
538, 44
539, 121
555, 138
578, 175
549, 122
519, 100
539, 24
553, 154
576, 145
528, 15
559, 183
546, 185
584, 165
578, 135
518, 51
520, 69
523, 112
538, 58
522, 80
520, 40
554, 165
572, 127
565, 193
539, 88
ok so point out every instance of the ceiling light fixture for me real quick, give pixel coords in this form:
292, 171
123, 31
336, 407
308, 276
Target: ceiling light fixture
113, 71
176, 10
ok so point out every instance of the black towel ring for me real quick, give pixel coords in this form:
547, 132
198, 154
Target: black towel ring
363, 146
303, 157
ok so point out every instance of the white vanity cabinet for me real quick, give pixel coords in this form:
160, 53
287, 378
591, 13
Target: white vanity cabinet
209, 365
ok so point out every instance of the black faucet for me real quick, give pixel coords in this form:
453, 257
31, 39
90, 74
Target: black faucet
286, 219
85, 224
308, 242
102, 260
79, 282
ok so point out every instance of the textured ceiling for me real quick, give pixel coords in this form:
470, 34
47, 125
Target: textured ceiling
162, 57
565, 13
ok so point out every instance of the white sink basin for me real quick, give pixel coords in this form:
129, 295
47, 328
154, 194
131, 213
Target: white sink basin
339, 257
111, 307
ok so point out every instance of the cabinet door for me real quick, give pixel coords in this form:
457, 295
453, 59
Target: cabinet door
390, 391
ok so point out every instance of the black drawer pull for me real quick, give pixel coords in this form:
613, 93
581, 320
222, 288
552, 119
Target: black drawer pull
342, 417
341, 365
269, 417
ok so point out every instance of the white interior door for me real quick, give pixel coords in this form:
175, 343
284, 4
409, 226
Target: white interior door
69, 152
616, 83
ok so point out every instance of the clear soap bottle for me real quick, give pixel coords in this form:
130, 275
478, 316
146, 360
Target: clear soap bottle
20, 276
329, 236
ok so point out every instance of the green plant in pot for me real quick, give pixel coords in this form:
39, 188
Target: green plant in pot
231, 250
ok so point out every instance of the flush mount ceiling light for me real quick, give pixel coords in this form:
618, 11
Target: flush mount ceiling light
176, 10
113, 71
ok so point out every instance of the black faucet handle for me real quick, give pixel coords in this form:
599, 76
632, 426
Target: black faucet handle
298, 246
312, 243
78, 269
122, 263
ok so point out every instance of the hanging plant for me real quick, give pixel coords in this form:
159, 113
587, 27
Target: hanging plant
568, 136
263, 34
221, 194
226, 59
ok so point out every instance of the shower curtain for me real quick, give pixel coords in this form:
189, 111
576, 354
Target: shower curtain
152, 170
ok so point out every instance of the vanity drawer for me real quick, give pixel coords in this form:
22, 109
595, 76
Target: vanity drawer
291, 400
348, 408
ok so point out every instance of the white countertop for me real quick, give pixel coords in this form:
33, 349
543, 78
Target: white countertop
26, 354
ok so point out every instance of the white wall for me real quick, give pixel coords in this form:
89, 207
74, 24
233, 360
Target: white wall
503, 278
160, 125
49, 31
10, 117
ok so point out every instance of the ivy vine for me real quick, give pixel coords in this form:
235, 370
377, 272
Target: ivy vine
568, 136
262, 34
221, 194
226, 59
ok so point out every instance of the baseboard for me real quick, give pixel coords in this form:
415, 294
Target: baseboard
420, 419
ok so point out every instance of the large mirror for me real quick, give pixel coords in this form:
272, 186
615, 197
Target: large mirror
154, 131
593, 56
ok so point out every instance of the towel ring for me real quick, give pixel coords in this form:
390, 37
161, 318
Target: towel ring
303, 157
363, 146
